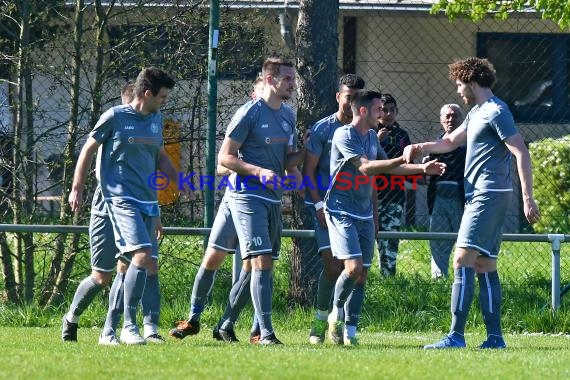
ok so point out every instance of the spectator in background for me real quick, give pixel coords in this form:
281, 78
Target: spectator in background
393, 140
445, 193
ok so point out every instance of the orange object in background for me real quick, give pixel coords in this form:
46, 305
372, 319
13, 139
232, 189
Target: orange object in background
171, 136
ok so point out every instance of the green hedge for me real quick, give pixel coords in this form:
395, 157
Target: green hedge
551, 168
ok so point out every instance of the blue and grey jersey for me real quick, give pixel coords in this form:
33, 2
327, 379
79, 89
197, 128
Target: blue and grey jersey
319, 144
488, 160
266, 136
344, 197
129, 156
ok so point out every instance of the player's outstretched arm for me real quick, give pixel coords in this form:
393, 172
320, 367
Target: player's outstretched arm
516, 146
83, 164
373, 167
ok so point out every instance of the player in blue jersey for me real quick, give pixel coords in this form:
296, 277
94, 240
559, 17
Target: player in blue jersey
492, 139
317, 169
351, 207
132, 150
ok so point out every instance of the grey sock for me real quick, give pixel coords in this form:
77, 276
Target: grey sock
461, 298
116, 305
324, 292
261, 295
239, 296
135, 279
490, 298
343, 287
353, 306
84, 295
150, 301
203, 284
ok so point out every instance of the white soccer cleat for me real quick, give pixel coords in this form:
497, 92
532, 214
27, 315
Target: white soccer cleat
108, 340
130, 335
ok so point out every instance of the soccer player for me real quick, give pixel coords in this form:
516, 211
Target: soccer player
132, 149
492, 139
350, 209
103, 258
317, 169
258, 143
223, 240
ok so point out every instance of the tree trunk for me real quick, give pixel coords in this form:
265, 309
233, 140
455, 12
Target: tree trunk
62, 264
10, 289
24, 173
317, 48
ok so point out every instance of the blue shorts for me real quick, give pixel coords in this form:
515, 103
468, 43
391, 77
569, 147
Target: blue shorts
133, 230
258, 225
321, 233
223, 235
482, 223
351, 238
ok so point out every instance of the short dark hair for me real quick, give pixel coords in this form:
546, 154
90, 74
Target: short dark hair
389, 99
153, 79
473, 69
127, 90
272, 64
363, 98
351, 81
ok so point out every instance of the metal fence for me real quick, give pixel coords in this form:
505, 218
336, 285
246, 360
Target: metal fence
181, 252
397, 48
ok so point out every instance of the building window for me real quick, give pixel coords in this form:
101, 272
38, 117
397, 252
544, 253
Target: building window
532, 73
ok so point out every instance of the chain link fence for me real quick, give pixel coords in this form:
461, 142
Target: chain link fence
398, 48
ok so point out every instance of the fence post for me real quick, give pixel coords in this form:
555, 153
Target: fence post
555, 240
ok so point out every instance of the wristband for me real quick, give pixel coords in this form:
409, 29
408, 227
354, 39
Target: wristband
319, 205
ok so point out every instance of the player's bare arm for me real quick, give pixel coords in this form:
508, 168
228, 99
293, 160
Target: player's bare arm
432, 167
516, 146
81, 169
447, 144
222, 170
373, 167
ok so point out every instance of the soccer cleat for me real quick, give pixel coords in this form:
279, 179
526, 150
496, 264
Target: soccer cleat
270, 340
131, 336
494, 342
108, 340
185, 328
350, 341
155, 339
69, 331
448, 342
254, 337
336, 328
225, 335
318, 332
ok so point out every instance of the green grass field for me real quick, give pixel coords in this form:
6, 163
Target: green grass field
38, 353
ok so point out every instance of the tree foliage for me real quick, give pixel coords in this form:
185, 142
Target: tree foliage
555, 10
